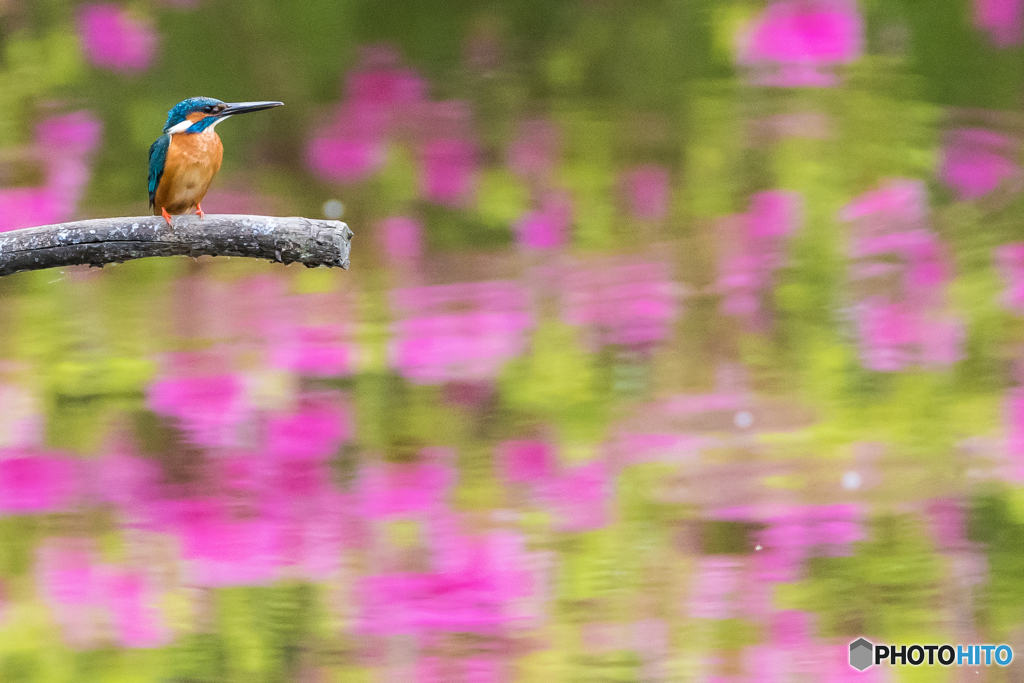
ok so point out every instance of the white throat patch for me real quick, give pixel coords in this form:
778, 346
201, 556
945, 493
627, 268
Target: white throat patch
186, 124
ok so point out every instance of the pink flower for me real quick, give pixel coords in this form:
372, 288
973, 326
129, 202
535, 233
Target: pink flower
793, 40
715, 585
534, 152
69, 583
222, 551
350, 149
276, 515
756, 250
887, 331
130, 483
630, 303
460, 332
37, 483
315, 351
894, 337
381, 84
474, 592
403, 239
637, 448
578, 498
111, 39
688, 404
75, 134
79, 591
900, 204
792, 628
448, 171
27, 207
947, 523
209, 408
400, 490
1014, 418
528, 462
647, 192
381, 95
483, 670
1001, 18
63, 145
1010, 258
548, 226
913, 325
137, 621
975, 162
315, 432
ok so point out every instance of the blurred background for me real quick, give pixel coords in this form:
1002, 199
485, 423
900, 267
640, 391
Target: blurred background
683, 341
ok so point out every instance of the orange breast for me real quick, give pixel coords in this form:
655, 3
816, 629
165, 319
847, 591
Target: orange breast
192, 161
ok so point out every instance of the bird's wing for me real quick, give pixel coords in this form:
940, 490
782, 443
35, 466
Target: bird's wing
157, 158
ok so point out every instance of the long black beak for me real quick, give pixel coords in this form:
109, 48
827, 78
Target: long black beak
247, 107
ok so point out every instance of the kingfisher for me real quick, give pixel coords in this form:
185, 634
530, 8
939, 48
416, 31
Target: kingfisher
183, 161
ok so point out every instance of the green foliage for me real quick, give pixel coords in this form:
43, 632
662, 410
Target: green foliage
400, 418
887, 588
18, 539
560, 380
1001, 533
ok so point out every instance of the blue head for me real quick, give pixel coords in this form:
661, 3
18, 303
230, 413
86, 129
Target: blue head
197, 114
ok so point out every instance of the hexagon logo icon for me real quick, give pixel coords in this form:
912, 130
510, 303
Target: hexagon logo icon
861, 652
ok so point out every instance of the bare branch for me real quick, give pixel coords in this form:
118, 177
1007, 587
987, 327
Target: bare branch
114, 240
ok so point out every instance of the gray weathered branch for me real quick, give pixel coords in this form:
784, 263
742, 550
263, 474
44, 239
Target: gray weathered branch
114, 240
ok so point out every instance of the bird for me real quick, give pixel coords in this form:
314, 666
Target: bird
186, 157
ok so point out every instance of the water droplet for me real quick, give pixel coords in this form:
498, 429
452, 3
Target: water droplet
333, 209
851, 480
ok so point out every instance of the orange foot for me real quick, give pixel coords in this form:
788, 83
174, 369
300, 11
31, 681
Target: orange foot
167, 216
199, 210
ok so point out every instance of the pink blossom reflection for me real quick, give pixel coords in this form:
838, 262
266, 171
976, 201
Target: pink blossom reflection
449, 171
350, 148
755, 249
63, 146
112, 39
579, 497
381, 95
546, 227
795, 43
458, 332
84, 594
474, 589
975, 162
314, 432
315, 351
534, 152
1010, 259
1002, 19
31, 484
1013, 410
209, 407
716, 583
629, 302
448, 154
528, 462
404, 489
402, 240
646, 190
895, 250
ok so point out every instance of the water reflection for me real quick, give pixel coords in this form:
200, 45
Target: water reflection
681, 343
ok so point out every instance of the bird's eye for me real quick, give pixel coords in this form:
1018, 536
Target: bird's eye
207, 109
